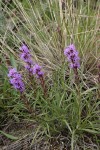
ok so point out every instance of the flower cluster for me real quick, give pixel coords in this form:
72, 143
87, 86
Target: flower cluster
72, 56
16, 80
37, 71
30, 66
26, 57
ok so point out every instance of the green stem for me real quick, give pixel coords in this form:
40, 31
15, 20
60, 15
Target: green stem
72, 141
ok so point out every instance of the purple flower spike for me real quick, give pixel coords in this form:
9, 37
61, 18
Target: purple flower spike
16, 80
72, 55
37, 71
26, 57
30, 66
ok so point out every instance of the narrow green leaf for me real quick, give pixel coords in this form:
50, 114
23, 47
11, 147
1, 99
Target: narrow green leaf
91, 131
9, 136
89, 90
13, 61
68, 126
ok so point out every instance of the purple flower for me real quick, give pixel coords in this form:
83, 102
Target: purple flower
75, 65
30, 66
24, 48
26, 57
37, 71
36, 68
72, 55
12, 72
16, 79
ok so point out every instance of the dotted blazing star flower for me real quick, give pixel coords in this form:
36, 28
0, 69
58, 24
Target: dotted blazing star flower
72, 55
33, 68
26, 57
37, 71
16, 80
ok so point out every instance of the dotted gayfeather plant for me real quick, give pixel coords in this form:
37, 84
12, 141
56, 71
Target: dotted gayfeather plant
48, 94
